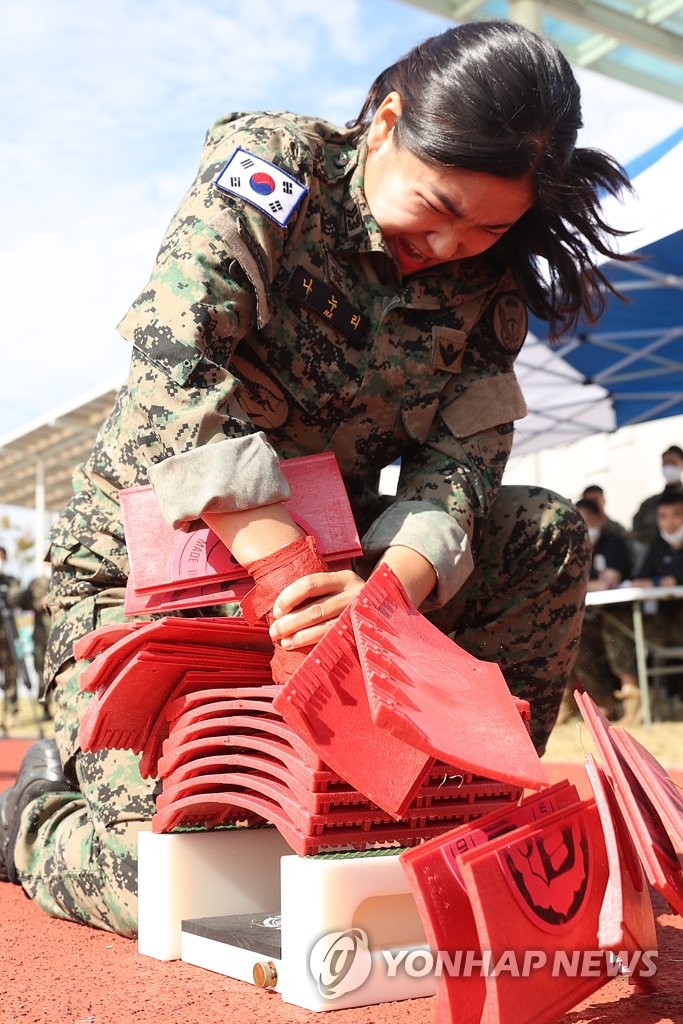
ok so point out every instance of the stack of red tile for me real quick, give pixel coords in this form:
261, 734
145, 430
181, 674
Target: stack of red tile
195, 697
385, 693
366, 744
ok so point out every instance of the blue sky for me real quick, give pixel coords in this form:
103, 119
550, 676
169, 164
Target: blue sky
103, 115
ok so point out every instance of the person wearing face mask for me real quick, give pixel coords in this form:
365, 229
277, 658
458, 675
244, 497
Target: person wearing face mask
595, 493
610, 566
663, 563
644, 530
610, 558
662, 566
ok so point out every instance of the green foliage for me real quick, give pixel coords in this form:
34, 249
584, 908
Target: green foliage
18, 541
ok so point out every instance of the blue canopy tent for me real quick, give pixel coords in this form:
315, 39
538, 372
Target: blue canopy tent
628, 367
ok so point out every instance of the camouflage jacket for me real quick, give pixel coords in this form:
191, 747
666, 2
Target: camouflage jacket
256, 340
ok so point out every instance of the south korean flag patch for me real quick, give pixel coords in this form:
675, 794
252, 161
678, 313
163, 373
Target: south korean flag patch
265, 186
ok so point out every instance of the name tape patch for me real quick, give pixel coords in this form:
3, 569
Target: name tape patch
265, 186
328, 303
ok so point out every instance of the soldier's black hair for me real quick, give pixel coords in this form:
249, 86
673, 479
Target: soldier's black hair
494, 97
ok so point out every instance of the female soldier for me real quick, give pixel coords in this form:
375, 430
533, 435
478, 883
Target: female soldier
358, 290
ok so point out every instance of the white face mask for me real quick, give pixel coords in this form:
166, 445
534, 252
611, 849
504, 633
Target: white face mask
674, 539
672, 474
594, 534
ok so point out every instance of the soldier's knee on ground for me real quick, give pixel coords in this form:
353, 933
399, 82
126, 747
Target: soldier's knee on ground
561, 538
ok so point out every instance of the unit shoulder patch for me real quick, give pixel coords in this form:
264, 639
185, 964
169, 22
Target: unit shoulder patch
510, 321
448, 349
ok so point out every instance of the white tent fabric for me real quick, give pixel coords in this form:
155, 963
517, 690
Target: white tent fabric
656, 210
562, 407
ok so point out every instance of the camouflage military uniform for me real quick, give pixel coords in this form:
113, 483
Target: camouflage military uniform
254, 342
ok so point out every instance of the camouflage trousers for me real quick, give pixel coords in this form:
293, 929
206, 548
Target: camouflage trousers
522, 607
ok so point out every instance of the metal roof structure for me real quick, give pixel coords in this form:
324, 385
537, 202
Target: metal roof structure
636, 41
36, 461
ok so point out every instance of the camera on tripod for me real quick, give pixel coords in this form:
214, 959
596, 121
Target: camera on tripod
9, 626
10, 635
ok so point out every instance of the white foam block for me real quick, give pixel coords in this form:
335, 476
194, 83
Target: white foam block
323, 896
203, 874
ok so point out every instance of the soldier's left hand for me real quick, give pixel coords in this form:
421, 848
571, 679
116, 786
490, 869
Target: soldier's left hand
306, 609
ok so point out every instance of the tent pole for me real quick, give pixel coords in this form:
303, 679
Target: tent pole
39, 529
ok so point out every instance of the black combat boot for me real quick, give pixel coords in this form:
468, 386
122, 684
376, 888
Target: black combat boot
40, 772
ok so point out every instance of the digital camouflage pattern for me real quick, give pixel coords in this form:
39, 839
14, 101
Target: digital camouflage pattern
308, 335
80, 860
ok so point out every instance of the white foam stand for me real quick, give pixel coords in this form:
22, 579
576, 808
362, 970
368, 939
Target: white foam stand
202, 874
184, 877
324, 896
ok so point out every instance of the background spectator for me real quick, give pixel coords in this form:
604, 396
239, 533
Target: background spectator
644, 528
34, 598
662, 566
610, 565
610, 556
595, 493
9, 593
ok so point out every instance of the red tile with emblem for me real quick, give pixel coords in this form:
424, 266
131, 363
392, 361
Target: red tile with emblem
434, 873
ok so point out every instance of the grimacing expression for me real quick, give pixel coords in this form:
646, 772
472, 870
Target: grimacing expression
431, 214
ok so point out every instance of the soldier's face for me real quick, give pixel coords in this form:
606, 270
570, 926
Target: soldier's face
429, 214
